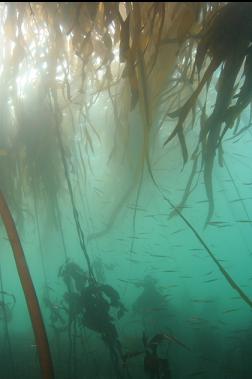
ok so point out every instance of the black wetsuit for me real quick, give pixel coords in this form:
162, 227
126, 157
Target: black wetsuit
155, 367
97, 317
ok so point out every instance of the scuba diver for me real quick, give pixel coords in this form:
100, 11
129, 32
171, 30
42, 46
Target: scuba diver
156, 365
97, 300
92, 301
152, 306
73, 276
75, 280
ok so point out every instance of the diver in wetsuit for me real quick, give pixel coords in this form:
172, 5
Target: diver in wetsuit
152, 299
97, 300
74, 277
92, 300
155, 366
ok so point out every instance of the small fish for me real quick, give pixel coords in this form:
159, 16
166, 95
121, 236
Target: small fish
178, 231
245, 221
132, 260
169, 271
240, 199
210, 280
136, 208
217, 223
158, 256
125, 281
236, 298
231, 310
209, 273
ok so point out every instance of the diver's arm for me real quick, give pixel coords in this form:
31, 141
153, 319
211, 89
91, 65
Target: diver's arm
112, 294
114, 298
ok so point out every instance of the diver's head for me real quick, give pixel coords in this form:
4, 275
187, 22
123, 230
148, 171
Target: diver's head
149, 281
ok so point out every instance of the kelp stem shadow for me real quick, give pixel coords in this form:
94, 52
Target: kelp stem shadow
29, 291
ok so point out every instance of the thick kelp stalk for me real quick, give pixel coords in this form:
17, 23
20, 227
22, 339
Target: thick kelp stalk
29, 291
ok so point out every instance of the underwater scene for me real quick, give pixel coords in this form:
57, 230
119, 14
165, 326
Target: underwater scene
125, 190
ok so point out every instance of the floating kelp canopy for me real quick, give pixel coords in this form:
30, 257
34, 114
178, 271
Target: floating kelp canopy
58, 59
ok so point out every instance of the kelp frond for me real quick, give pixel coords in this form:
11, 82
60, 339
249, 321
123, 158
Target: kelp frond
132, 52
220, 46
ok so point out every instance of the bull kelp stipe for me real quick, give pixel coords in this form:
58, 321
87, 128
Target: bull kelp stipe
29, 291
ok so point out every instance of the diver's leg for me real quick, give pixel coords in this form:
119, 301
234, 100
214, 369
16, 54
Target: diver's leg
115, 360
165, 372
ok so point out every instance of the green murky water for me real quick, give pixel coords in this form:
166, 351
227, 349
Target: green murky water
187, 297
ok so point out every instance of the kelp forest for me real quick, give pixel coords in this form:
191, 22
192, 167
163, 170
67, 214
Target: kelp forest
125, 190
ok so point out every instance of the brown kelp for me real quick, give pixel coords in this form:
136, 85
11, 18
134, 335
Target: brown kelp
132, 52
79, 51
220, 46
29, 291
